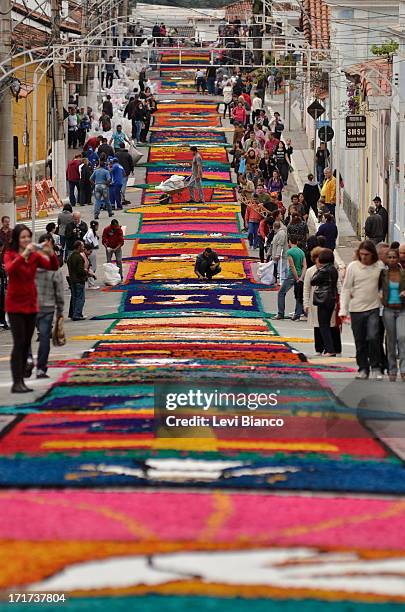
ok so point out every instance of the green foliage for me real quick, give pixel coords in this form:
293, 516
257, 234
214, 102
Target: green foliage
387, 48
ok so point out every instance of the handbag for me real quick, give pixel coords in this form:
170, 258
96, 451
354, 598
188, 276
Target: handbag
58, 334
322, 296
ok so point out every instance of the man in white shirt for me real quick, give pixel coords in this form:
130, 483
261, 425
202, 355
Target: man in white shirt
200, 81
257, 106
72, 128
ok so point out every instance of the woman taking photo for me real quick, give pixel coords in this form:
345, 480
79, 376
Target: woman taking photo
21, 261
392, 287
318, 315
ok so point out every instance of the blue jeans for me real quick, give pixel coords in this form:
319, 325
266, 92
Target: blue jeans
115, 196
320, 175
288, 284
78, 298
44, 326
124, 187
253, 228
101, 197
195, 183
211, 85
394, 323
73, 185
138, 128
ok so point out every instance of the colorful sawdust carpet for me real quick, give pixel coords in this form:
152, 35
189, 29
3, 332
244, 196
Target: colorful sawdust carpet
201, 545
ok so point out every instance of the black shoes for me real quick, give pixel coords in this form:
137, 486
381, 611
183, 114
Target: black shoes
28, 369
42, 374
20, 387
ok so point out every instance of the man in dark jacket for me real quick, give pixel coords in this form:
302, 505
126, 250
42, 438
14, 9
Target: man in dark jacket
380, 210
105, 149
108, 107
77, 281
311, 194
373, 227
238, 86
130, 108
75, 230
125, 159
207, 265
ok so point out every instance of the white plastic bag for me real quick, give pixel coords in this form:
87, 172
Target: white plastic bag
111, 274
135, 154
173, 183
266, 273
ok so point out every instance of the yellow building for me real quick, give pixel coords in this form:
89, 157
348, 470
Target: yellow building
22, 116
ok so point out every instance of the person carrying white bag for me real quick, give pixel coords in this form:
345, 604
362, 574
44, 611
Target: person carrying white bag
266, 273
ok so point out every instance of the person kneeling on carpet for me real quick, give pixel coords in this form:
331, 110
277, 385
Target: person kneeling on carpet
207, 265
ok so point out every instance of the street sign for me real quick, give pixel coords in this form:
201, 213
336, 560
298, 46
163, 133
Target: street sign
315, 110
356, 131
322, 122
325, 133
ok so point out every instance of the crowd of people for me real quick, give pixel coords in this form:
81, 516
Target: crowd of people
102, 169
297, 237
32, 282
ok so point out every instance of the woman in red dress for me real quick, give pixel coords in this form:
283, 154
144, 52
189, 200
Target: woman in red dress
21, 261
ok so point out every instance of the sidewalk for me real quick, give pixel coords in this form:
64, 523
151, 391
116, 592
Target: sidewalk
303, 163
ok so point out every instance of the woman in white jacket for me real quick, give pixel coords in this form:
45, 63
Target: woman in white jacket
279, 248
91, 238
312, 311
227, 93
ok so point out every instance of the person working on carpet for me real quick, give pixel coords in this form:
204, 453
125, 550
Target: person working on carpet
207, 265
196, 176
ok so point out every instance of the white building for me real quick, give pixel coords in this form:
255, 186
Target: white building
354, 28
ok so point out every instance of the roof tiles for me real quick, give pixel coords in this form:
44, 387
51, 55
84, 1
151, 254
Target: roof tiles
316, 23
242, 9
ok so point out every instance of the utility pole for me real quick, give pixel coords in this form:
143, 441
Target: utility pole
7, 175
83, 88
59, 145
400, 204
336, 100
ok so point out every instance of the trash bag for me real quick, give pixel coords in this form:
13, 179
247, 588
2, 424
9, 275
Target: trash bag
173, 183
135, 154
266, 273
111, 274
